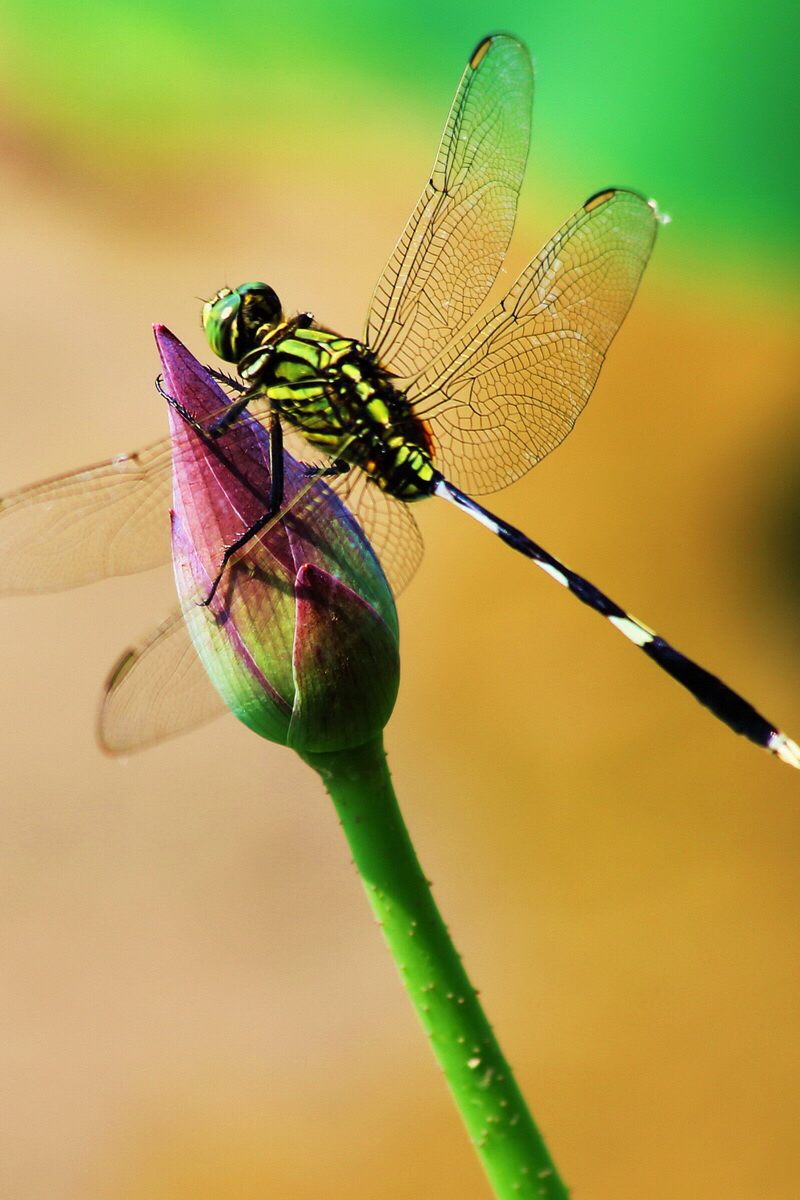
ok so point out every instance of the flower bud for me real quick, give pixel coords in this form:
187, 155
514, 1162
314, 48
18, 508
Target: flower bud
300, 637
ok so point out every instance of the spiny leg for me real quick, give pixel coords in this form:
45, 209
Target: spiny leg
339, 466
229, 381
276, 482
226, 418
276, 477
731, 708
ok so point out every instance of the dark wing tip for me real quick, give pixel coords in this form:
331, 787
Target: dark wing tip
117, 672
120, 667
599, 198
482, 48
603, 197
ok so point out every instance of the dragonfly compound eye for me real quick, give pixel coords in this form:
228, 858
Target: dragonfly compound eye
234, 318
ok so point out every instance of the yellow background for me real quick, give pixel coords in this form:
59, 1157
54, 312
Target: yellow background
195, 1002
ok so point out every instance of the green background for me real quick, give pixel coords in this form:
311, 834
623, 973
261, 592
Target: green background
200, 1004
697, 102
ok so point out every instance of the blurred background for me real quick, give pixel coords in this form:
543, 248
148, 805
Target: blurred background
195, 1001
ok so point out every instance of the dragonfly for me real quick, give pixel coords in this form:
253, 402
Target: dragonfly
443, 396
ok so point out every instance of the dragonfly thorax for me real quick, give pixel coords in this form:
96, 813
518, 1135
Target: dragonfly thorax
335, 392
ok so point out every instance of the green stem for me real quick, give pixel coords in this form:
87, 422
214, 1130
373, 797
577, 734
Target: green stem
501, 1128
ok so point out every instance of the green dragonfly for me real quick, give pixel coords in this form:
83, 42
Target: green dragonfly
440, 397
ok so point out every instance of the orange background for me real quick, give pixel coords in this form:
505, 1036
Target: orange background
196, 1003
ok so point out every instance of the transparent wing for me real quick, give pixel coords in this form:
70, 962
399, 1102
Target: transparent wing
160, 688
509, 389
113, 519
455, 240
156, 690
107, 519
388, 523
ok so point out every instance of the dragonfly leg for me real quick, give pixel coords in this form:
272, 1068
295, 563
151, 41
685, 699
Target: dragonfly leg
339, 466
274, 506
226, 380
221, 423
188, 418
301, 321
229, 415
275, 462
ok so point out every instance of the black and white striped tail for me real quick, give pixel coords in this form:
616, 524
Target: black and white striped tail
705, 687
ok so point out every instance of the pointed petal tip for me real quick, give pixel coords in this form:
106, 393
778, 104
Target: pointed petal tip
784, 748
162, 334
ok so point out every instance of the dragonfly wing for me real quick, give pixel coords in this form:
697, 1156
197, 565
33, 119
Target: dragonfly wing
111, 518
455, 240
158, 689
108, 519
509, 389
388, 524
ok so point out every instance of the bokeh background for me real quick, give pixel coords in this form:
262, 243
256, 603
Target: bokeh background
194, 1000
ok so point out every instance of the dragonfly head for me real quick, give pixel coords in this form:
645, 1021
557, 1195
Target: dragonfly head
233, 318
